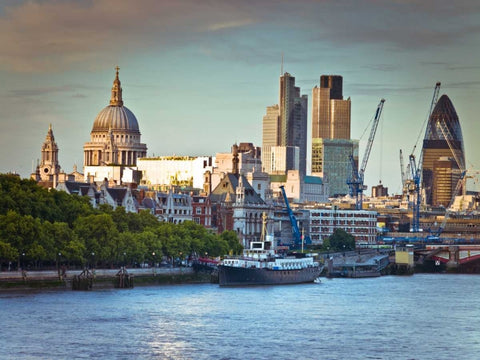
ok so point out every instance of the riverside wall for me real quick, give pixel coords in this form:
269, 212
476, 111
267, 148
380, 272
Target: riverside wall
102, 278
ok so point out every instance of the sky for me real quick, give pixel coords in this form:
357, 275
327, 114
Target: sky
198, 75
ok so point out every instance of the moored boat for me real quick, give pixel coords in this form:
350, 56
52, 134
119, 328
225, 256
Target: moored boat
262, 265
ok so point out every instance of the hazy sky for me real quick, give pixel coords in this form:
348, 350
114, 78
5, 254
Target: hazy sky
198, 75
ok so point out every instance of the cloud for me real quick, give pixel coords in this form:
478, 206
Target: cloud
47, 90
52, 35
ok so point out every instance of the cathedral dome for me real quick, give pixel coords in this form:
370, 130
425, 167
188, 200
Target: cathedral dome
115, 118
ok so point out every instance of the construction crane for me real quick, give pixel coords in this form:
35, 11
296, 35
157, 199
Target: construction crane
416, 168
293, 220
447, 136
356, 181
402, 169
416, 177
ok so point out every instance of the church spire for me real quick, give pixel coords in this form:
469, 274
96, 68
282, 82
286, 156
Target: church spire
116, 99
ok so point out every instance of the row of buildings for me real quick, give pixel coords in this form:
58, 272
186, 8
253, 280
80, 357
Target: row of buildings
231, 191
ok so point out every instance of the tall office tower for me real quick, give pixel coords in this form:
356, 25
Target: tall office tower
293, 118
330, 113
443, 153
270, 134
331, 143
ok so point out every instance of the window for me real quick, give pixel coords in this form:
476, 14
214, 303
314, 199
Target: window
198, 210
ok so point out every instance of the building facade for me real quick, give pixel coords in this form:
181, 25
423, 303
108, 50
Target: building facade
443, 138
332, 158
186, 171
202, 210
361, 224
331, 143
281, 159
330, 113
286, 124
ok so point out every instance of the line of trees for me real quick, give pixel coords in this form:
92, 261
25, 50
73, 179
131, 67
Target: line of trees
41, 229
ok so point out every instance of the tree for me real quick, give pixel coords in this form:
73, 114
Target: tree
231, 238
340, 240
7, 252
100, 235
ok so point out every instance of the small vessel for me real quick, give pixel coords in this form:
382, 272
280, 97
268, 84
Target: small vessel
262, 265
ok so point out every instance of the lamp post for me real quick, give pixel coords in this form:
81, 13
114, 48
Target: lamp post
154, 264
59, 264
124, 259
93, 260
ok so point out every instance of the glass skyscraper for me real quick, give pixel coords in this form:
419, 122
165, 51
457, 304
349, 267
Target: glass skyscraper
443, 154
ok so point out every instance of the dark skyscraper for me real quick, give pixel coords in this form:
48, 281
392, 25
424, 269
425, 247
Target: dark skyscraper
331, 143
443, 153
286, 124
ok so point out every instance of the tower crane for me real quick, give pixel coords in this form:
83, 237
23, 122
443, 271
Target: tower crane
416, 168
402, 169
293, 220
416, 176
356, 181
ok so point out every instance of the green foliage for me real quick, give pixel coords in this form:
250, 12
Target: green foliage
340, 240
36, 225
7, 252
232, 240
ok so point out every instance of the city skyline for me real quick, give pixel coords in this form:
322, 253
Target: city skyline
199, 77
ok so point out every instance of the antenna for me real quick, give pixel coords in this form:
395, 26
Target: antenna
281, 68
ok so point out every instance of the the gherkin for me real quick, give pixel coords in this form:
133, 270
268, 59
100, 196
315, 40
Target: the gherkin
443, 153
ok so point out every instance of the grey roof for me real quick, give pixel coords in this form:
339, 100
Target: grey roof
229, 184
116, 118
117, 194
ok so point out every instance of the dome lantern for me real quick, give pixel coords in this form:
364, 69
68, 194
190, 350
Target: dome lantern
116, 99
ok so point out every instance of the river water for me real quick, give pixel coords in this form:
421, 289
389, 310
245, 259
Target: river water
425, 316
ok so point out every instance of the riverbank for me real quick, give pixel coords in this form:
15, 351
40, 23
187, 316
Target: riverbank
102, 278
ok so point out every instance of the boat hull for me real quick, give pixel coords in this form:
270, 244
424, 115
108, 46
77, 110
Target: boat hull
237, 276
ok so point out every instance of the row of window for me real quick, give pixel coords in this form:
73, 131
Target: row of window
340, 214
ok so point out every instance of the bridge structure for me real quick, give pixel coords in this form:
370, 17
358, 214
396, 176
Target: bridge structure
459, 256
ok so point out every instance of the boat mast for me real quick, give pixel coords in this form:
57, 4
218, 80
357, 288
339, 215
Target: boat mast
264, 227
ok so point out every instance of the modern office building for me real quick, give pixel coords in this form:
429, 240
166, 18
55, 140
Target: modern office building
330, 113
443, 140
333, 164
286, 124
282, 159
446, 174
331, 143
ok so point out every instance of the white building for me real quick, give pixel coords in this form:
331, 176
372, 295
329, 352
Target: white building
361, 224
280, 159
175, 170
309, 189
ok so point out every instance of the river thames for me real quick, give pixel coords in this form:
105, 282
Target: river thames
425, 316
